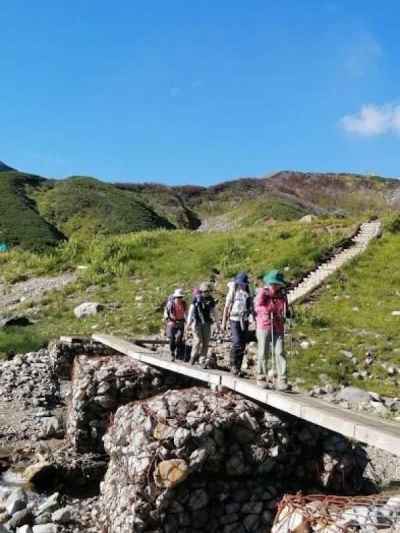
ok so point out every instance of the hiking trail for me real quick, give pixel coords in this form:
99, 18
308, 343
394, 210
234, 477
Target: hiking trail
366, 233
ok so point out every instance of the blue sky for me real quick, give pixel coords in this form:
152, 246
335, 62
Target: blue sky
199, 92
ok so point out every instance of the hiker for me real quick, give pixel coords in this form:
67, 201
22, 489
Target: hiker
271, 308
202, 314
175, 314
238, 311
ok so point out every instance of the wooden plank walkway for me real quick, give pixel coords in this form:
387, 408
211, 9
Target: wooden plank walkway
364, 428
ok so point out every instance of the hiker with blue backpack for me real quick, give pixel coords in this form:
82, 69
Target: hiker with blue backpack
272, 310
238, 311
175, 314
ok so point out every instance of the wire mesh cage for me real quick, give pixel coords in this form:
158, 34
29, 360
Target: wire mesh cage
338, 514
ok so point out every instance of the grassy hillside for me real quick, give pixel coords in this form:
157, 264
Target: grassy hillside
37, 212
20, 222
88, 207
353, 313
167, 201
135, 273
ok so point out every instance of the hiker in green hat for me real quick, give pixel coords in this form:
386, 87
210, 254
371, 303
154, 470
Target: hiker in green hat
271, 307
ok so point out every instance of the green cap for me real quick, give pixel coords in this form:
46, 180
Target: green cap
274, 277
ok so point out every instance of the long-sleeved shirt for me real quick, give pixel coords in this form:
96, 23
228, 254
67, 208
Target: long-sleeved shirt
271, 310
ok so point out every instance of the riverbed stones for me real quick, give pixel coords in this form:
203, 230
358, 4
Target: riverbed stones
195, 460
16, 501
100, 385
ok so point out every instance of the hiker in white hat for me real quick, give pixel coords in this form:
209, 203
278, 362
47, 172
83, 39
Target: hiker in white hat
175, 316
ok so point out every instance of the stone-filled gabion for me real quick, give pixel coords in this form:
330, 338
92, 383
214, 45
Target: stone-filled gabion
29, 379
99, 386
62, 353
197, 460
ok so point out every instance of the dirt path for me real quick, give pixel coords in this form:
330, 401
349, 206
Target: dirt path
33, 290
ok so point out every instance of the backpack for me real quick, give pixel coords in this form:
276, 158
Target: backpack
203, 308
169, 308
241, 304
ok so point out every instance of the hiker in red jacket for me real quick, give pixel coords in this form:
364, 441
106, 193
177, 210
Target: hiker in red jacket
271, 308
175, 316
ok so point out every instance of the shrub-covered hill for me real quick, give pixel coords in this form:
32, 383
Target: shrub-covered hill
48, 210
20, 222
86, 206
286, 195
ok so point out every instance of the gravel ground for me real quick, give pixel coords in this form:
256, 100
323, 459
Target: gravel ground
11, 296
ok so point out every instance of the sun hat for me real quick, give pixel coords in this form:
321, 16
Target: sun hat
274, 277
178, 293
242, 278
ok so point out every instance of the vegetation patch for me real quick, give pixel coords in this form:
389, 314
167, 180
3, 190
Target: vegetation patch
20, 222
353, 315
87, 207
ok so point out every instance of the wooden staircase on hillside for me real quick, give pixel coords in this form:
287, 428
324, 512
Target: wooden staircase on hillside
367, 232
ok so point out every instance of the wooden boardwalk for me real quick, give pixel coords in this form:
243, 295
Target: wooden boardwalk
363, 428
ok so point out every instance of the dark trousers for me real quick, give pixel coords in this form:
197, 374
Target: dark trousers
239, 334
175, 334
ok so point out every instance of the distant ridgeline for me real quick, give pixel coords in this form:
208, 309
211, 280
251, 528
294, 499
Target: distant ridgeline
36, 212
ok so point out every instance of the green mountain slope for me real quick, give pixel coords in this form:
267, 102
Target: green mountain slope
20, 222
38, 212
355, 313
88, 207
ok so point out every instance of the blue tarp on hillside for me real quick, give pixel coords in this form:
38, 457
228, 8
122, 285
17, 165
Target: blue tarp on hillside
3, 247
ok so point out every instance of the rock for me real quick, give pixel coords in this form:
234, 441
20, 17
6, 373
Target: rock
23, 529
63, 515
52, 428
171, 473
347, 354
12, 321
307, 219
87, 309
20, 518
49, 504
353, 395
16, 501
304, 345
37, 470
181, 436
45, 528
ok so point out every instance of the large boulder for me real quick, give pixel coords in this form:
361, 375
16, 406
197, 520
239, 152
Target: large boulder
87, 309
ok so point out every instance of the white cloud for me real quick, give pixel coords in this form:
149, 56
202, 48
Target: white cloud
373, 120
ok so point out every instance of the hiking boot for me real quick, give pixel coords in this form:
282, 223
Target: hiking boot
172, 357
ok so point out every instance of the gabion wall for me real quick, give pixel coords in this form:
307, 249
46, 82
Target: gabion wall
196, 460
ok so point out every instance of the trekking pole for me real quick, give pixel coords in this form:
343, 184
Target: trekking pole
273, 347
